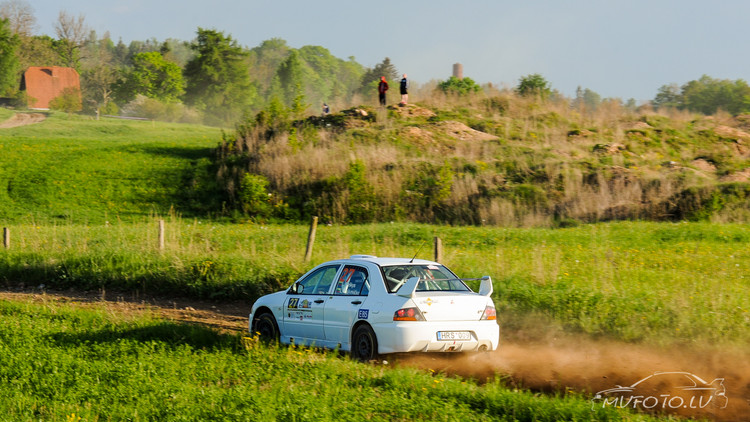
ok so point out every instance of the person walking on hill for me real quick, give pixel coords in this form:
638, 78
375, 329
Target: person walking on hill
382, 88
404, 90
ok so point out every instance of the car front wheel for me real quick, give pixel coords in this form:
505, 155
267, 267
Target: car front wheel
265, 327
364, 344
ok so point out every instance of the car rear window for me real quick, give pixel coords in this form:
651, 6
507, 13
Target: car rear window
432, 277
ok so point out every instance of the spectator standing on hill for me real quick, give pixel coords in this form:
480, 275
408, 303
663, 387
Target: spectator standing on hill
382, 88
404, 90
326, 109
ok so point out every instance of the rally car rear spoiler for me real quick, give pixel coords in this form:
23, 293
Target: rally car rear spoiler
409, 289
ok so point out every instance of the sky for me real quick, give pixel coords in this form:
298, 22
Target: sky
616, 48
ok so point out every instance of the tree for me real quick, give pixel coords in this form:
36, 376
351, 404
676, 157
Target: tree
668, 96
290, 77
706, 95
372, 76
176, 51
324, 77
39, 50
533, 85
20, 15
154, 77
9, 43
462, 86
587, 99
218, 80
265, 60
72, 32
97, 83
387, 69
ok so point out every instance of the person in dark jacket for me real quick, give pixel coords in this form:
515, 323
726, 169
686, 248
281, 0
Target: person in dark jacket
404, 90
382, 88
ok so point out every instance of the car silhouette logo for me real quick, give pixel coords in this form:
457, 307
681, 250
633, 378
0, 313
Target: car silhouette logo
665, 390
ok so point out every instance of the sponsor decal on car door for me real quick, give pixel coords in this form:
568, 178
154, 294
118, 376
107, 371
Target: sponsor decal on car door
304, 309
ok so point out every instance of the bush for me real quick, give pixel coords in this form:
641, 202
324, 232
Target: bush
361, 208
110, 109
68, 101
704, 202
154, 109
254, 197
533, 85
462, 86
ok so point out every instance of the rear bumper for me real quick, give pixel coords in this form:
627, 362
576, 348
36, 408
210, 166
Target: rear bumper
421, 336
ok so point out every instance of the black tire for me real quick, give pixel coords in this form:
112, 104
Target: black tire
364, 344
265, 327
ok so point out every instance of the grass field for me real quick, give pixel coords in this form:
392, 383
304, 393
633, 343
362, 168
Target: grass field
654, 282
82, 199
74, 168
66, 363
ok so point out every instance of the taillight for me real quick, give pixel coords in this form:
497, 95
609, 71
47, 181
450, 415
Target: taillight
489, 313
408, 314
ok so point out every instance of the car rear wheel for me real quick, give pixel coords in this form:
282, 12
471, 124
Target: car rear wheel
265, 327
364, 344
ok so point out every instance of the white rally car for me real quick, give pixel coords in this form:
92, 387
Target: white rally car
369, 306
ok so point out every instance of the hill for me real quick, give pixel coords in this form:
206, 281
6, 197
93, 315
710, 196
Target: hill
495, 159
79, 169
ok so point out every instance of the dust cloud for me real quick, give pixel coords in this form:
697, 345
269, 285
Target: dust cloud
587, 366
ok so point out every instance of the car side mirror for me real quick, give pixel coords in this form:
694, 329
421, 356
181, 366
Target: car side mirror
298, 288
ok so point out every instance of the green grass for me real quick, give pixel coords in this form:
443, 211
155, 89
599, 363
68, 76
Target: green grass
5, 114
640, 282
64, 363
81, 199
78, 169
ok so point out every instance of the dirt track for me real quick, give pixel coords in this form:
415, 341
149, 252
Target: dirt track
557, 364
225, 316
22, 119
586, 366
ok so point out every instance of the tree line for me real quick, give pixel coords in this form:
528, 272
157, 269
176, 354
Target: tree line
210, 79
214, 80
706, 95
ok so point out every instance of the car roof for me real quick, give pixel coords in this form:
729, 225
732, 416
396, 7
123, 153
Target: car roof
385, 261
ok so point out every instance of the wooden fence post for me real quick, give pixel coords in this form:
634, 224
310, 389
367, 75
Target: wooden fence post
6, 237
438, 249
311, 239
161, 235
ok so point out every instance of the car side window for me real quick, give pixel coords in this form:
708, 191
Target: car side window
318, 282
353, 281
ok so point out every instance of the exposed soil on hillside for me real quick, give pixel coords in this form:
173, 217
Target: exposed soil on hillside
22, 119
556, 365
411, 110
739, 176
428, 134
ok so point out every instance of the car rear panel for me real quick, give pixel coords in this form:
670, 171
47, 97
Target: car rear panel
451, 306
422, 336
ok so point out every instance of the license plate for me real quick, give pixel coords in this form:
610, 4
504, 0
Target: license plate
454, 335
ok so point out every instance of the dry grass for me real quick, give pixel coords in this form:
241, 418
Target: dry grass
590, 165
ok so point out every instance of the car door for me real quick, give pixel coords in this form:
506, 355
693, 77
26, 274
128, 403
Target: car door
304, 308
346, 304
